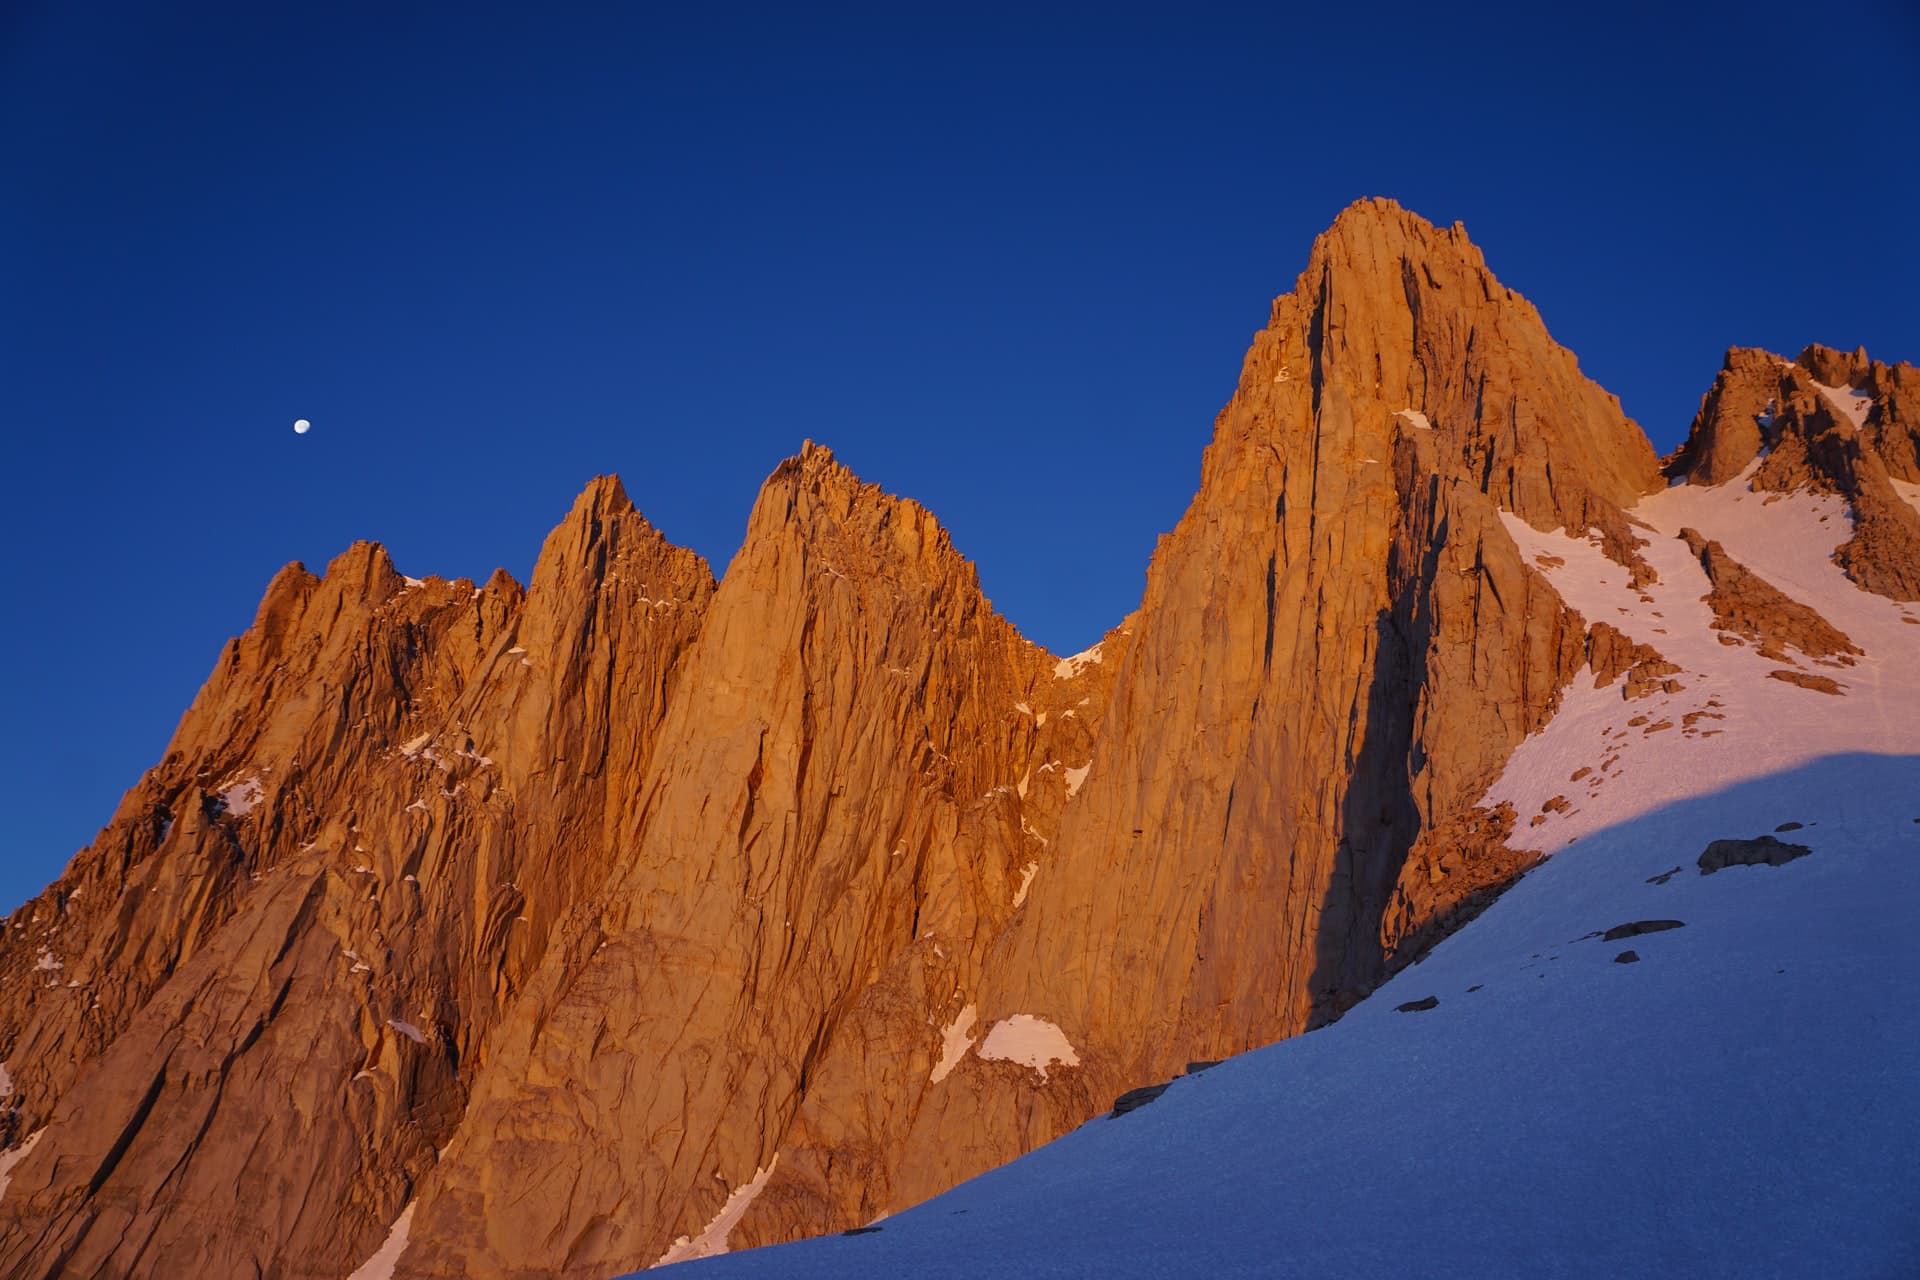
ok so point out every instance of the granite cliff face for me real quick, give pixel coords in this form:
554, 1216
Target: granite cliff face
564, 930
248, 1017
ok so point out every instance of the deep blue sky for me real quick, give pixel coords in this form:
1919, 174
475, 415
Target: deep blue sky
1006, 264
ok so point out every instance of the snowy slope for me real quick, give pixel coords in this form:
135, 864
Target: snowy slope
1739, 1101
1747, 724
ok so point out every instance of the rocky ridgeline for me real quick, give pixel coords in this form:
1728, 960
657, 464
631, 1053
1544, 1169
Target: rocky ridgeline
631, 914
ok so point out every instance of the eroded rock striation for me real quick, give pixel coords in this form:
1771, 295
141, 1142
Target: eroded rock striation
632, 915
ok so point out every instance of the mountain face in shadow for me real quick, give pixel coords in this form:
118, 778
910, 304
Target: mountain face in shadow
631, 915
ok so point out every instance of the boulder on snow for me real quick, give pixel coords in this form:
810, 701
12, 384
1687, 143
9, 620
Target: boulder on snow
1635, 928
1764, 851
1134, 1099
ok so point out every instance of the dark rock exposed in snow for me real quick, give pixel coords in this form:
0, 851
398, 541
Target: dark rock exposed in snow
1134, 1099
1637, 927
1764, 851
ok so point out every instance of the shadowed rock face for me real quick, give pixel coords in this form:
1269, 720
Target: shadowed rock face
571, 916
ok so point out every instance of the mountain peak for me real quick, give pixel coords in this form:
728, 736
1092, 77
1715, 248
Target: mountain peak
1380, 235
603, 526
364, 569
1397, 324
852, 524
633, 916
604, 495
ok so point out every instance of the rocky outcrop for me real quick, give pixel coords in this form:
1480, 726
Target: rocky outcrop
1453, 872
1612, 653
1807, 680
1828, 421
1763, 851
1746, 605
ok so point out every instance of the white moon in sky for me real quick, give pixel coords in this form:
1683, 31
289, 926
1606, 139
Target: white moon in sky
301, 426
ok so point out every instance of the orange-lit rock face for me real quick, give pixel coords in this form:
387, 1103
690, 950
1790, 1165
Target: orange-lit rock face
1830, 421
632, 915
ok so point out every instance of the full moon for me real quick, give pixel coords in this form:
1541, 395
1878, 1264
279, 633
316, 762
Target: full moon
301, 426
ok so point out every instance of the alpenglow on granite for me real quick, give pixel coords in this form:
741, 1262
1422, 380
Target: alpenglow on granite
630, 915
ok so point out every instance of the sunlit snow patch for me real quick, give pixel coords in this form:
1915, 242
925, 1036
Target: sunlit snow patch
1026, 879
1909, 491
1075, 777
713, 1240
1031, 1041
1855, 405
955, 1039
8, 1159
243, 797
1731, 721
1067, 668
380, 1266
1416, 418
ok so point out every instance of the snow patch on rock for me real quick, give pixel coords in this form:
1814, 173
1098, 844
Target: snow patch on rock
1068, 668
1853, 405
1026, 879
1909, 491
243, 797
1732, 721
380, 1266
955, 1039
712, 1241
1075, 777
8, 1159
1030, 1041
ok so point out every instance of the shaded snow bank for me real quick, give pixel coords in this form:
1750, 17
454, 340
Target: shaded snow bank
1738, 1103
